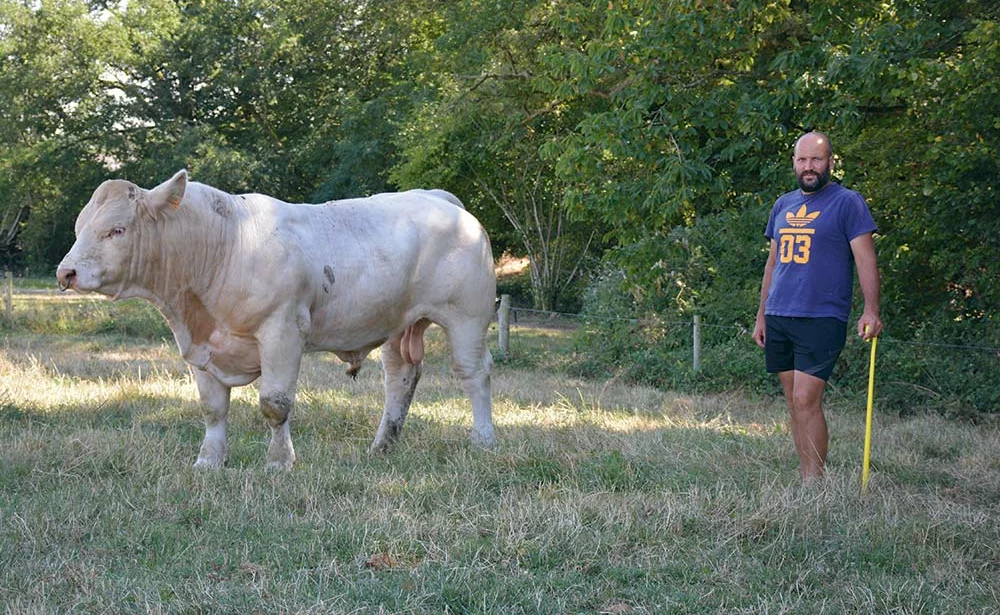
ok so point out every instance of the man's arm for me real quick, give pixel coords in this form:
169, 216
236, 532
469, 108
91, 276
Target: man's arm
863, 248
758, 328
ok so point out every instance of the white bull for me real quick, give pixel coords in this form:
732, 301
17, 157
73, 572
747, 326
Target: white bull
249, 283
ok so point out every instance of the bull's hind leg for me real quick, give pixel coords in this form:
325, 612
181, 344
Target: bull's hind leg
401, 379
472, 363
215, 401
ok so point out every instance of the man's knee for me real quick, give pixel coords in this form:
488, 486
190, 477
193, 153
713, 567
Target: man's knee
807, 402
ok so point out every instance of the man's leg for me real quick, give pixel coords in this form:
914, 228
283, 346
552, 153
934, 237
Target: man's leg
804, 395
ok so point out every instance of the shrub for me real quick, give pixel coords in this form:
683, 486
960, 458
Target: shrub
946, 367
637, 317
518, 286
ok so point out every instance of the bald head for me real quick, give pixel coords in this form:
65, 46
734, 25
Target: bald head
815, 140
812, 160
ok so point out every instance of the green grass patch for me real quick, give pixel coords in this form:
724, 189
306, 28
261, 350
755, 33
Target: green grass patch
600, 496
50, 314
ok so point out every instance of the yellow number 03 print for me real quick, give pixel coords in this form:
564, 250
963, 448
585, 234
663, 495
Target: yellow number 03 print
795, 248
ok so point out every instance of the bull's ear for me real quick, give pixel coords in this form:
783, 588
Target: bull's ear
171, 192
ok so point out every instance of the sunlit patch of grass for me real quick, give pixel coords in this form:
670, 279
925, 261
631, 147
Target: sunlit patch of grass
70, 314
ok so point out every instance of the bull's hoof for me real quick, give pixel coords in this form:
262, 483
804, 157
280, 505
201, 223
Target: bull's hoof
205, 463
280, 453
484, 439
379, 448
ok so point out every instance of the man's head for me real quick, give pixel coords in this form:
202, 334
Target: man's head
812, 160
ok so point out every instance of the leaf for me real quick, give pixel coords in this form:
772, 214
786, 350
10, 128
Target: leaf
381, 561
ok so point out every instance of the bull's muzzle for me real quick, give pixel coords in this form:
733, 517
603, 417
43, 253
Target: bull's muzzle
65, 277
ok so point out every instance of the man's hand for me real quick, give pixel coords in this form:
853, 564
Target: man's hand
869, 326
758, 332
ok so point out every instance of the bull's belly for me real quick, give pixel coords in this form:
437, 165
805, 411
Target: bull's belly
235, 360
349, 353
353, 333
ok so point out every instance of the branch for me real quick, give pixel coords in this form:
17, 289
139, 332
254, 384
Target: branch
8, 236
481, 79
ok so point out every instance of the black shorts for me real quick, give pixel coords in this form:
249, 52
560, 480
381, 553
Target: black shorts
810, 345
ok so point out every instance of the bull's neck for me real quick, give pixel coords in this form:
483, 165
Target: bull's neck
187, 251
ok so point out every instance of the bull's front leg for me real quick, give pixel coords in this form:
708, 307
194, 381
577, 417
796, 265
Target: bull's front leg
280, 357
215, 401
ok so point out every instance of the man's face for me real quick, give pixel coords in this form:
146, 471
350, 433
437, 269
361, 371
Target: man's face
812, 163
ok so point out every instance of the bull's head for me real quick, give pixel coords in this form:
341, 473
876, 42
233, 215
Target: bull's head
107, 230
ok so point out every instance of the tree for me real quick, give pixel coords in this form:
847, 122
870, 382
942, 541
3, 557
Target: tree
685, 119
704, 100
484, 134
52, 56
926, 156
653, 134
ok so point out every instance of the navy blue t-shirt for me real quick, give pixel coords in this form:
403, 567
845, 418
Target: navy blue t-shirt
814, 268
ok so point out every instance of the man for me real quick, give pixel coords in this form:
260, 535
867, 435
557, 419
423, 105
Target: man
818, 234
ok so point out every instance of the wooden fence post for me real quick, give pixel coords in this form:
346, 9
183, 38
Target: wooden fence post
696, 333
8, 295
503, 325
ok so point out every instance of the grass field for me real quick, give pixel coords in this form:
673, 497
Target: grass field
599, 497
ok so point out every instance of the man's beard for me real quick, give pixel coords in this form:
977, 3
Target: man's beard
813, 184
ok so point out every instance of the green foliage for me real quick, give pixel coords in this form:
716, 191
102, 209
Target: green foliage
659, 353
52, 123
700, 113
518, 287
683, 122
946, 367
646, 138
483, 136
953, 377
691, 150
935, 198
639, 313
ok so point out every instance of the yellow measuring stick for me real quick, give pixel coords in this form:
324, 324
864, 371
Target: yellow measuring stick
868, 419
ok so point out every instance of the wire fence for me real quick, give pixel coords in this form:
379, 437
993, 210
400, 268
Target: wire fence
949, 377
519, 316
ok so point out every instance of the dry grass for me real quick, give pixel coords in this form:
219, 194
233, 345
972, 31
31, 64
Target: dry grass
599, 498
